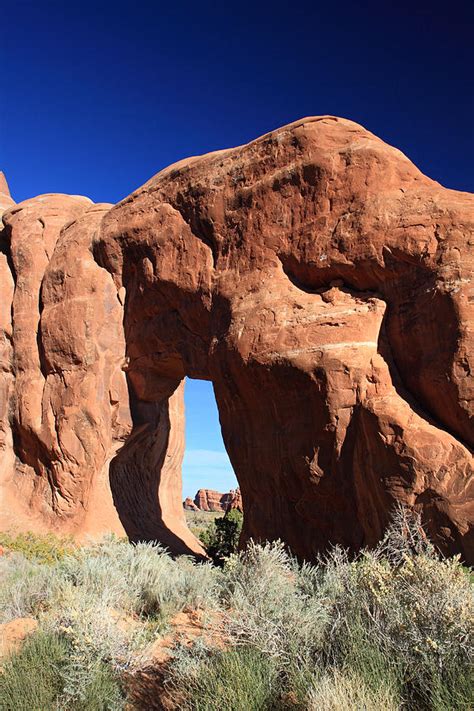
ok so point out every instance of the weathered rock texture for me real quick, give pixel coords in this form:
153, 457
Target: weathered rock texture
62, 322
189, 505
315, 276
6, 352
65, 409
210, 500
324, 285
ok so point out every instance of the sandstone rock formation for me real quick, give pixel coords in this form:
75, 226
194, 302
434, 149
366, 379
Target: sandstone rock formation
324, 285
210, 500
67, 342
6, 352
64, 388
315, 276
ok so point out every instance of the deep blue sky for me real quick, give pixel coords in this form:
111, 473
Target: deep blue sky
97, 97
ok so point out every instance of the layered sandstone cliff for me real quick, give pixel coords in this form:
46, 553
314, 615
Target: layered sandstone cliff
318, 279
211, 500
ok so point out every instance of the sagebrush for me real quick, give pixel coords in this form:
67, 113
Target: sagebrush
390, 629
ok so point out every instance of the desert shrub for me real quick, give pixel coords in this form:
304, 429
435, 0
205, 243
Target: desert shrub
392, 626
34, 679
222, 539
345, 691
267, 608
103, 692
419, 610
142, 579
398, 613
26, 586
44, 548
266, 621
97, 635
238, 679
200, 521
409, 609
361, 658
31, 678
168, 586
427, 615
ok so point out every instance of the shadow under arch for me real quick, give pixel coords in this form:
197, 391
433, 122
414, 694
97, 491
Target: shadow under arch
145, 477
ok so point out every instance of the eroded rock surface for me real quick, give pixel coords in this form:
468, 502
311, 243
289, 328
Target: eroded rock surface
315, 276
6, 351
211, 500
324, 285
68, 406
67, 350
65, 409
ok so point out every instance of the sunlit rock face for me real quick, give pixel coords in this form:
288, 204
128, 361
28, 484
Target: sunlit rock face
324, 285
67, 398
211, 500
65, 409
315, 276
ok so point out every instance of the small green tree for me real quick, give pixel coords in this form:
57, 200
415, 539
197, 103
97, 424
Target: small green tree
222, 539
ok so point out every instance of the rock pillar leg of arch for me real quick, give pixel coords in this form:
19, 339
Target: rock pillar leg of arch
145, 478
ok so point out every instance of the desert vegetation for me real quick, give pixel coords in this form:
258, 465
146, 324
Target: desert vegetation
199, 522
390, 629
221, 537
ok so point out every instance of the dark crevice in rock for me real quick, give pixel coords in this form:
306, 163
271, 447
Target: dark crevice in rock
39, 340
201, 227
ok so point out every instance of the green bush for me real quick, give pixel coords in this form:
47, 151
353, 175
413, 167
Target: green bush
46, 549
222, 539
31, 679
239, 679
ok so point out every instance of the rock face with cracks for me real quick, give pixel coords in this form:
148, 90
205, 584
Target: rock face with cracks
67, 402
65, 408
316, 277
324, 285
210, 500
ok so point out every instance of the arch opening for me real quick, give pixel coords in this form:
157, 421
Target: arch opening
154, 472
206, 464
210, 486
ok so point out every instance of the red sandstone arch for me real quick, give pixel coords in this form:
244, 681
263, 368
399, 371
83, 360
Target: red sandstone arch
322, 283
315, 276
